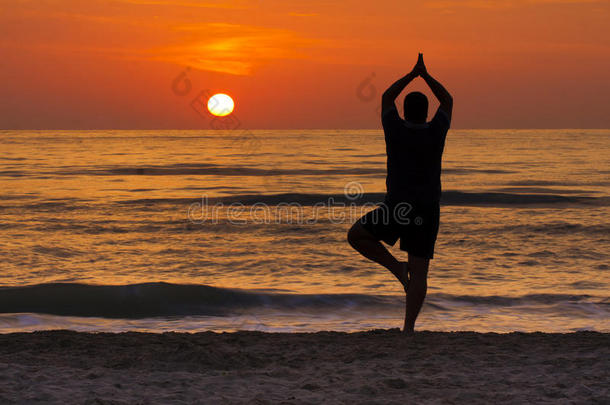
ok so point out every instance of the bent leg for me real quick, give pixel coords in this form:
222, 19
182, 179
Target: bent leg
418, 285
371, 248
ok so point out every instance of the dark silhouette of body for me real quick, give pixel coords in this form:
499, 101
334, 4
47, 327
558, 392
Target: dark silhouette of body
414, 150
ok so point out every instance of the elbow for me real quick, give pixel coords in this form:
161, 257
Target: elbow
449, 101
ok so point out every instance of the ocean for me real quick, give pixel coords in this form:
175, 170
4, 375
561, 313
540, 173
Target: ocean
229, 230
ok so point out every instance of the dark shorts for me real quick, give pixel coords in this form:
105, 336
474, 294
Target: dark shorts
416, 224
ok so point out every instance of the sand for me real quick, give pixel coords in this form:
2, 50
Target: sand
376, 367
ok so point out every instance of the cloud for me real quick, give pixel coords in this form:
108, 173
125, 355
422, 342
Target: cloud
500, 4
229, 5
295, 14
233, 48
168, 35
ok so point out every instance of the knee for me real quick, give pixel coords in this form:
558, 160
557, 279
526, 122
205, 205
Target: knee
354, 234
418, 269
351, 235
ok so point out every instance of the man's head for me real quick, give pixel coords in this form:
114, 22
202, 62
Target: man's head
416, 107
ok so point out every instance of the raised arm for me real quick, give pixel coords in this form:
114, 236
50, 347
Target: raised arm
443, 96
439, 91
388, 97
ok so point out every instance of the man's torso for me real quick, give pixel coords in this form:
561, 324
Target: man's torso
414, 154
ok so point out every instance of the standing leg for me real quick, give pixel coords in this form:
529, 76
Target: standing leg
371, 248
418, 285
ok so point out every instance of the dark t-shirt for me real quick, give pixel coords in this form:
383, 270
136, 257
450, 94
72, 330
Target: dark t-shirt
414, 157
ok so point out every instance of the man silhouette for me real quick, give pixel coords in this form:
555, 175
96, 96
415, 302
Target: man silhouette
411, 208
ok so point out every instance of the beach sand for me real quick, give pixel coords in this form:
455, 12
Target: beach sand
380, 366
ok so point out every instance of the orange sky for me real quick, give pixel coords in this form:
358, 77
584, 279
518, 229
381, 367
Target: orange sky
110, 64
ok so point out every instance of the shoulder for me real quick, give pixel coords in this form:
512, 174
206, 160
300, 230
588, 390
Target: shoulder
442, 115
441, 120
390, 117
389, 112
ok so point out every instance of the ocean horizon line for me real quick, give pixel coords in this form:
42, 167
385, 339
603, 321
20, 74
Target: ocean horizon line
300, 129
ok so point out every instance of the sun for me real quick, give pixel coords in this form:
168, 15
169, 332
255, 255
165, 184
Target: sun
220, 105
